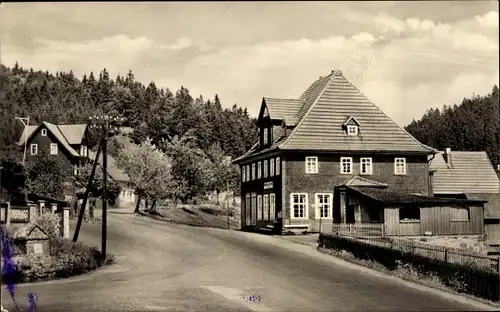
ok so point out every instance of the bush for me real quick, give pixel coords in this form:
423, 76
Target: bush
50, 223
66, 259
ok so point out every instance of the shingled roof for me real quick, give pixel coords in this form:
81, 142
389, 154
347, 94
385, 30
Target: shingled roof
324, 108
65, 134
469, 172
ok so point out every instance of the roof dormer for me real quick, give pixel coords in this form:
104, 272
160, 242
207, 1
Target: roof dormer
351, 126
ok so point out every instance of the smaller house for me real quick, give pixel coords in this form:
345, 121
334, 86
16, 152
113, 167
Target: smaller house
403, 214
127, 196
469, 175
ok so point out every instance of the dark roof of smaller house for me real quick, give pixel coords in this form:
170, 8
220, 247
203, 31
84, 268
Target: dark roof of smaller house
113, 170
392, 197
469, 172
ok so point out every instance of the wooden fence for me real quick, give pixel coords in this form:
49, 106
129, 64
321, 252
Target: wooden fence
359, 229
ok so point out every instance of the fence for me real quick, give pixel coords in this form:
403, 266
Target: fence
465, 272
29, 212
359, 229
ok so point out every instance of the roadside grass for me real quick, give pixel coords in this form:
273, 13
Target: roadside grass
405, 272
202, 215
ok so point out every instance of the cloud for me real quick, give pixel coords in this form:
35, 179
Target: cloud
489, 19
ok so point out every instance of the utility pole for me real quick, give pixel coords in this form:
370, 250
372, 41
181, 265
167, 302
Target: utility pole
227, 203
23, 119
108, 126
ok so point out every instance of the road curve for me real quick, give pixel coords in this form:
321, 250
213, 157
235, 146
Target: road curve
168, 267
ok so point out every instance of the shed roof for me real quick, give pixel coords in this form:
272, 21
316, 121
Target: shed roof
283, 108
469, 172
392, 197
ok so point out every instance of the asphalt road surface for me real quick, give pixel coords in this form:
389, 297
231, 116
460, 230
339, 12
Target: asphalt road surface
167, 267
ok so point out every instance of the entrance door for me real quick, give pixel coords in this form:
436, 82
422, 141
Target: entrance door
350, 214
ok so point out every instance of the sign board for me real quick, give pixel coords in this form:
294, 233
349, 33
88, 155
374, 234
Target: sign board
268, 185
37, 248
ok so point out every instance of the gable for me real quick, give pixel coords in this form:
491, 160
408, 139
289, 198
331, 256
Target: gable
53, 129
359, 181
74, 134
321, 126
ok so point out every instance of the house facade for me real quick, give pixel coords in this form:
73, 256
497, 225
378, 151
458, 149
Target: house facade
127, 196
67, 142
469, 175
311, 147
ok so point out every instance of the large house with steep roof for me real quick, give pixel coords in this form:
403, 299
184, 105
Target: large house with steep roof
68, 142
332, 156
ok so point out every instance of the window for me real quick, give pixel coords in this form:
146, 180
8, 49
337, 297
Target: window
53, 148
352, 130
272, 207
324, 206
366, 165
85, 151
271, 167
460, 213
34, 149
75, 170
298, 205
400, 166
44, 132
253, 171
409, 213
265, 169
243, 174
278, 169
265, 136
248, 209
259, 170
346, 165
259, 207
266, 208
248, 172
311, 164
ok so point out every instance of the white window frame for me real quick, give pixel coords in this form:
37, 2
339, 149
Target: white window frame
352, 130
311, 164
81, 151
265, 209
306, 206
317, 205
36, 149
75, 170
278, 166
342, 159
259, 207
85, 151
248, 172
362, 161
397, 163
253, 171
266, 171
259, 170
44, 132
272, 206
243, 174
264, 134
271, 167
54, 149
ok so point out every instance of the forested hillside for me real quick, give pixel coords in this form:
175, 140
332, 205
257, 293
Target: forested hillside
164, 116
474, 125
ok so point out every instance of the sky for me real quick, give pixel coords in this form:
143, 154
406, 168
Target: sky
406, 57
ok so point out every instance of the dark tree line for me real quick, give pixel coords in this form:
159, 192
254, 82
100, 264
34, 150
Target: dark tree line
474, 125
153, 112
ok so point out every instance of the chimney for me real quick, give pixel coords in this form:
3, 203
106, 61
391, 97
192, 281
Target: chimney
447, 156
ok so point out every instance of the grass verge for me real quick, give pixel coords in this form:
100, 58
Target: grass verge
403, 271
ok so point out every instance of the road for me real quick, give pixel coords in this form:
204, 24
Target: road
167, 267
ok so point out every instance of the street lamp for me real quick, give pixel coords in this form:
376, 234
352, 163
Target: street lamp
108, 125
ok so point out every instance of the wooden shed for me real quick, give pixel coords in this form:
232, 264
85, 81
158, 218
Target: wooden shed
404, 214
